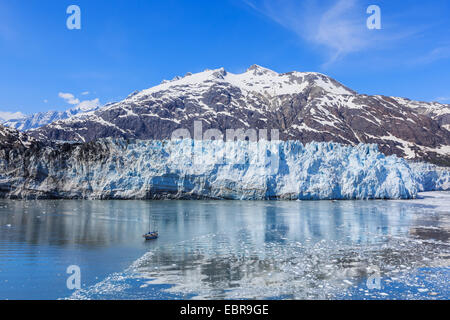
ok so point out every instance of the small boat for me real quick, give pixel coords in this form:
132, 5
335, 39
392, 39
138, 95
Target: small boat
151, 235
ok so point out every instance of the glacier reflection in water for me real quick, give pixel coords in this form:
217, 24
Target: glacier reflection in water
219, 249
298, 250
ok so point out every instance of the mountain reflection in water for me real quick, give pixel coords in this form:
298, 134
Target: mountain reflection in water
224, 249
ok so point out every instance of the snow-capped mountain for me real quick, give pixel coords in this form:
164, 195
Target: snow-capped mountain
11, 139
304, 106
5, 116
40, 119
437, 111
125, 169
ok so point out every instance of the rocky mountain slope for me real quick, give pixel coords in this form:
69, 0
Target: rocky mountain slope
11, 139
126, 169
303, 106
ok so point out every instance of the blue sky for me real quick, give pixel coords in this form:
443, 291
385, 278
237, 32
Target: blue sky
128, 45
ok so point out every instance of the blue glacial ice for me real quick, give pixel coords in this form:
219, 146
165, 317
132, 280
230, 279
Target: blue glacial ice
240, 170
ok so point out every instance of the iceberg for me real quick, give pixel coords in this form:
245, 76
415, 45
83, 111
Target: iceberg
233, 170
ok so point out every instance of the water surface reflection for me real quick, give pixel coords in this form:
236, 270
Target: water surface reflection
218, 249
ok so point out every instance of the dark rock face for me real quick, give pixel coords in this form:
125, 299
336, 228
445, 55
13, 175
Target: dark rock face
302, 106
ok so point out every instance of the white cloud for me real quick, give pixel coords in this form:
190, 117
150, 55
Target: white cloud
88, 104
85, 105
436, 54
338, 26
70, 98
443, 99
341, 30
85, 93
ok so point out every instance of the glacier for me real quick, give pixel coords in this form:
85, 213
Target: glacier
232, 170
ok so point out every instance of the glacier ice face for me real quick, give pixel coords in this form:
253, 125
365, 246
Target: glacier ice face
188, 169
430, 177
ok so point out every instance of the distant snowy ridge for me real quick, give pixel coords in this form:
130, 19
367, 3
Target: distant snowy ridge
6, 116
126, 169
23, 122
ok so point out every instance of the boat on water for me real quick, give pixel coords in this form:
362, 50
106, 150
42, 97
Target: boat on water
151, 235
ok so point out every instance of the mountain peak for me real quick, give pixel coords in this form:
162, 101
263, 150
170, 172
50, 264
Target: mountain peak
305, 106
258, 70
219, 73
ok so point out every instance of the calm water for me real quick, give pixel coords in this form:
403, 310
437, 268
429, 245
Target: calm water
210, 249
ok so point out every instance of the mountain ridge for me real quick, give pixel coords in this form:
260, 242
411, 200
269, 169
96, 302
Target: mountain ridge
40, 119
303, 106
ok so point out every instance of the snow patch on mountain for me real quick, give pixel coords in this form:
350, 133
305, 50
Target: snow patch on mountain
256, 79
11, 138
430, 108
